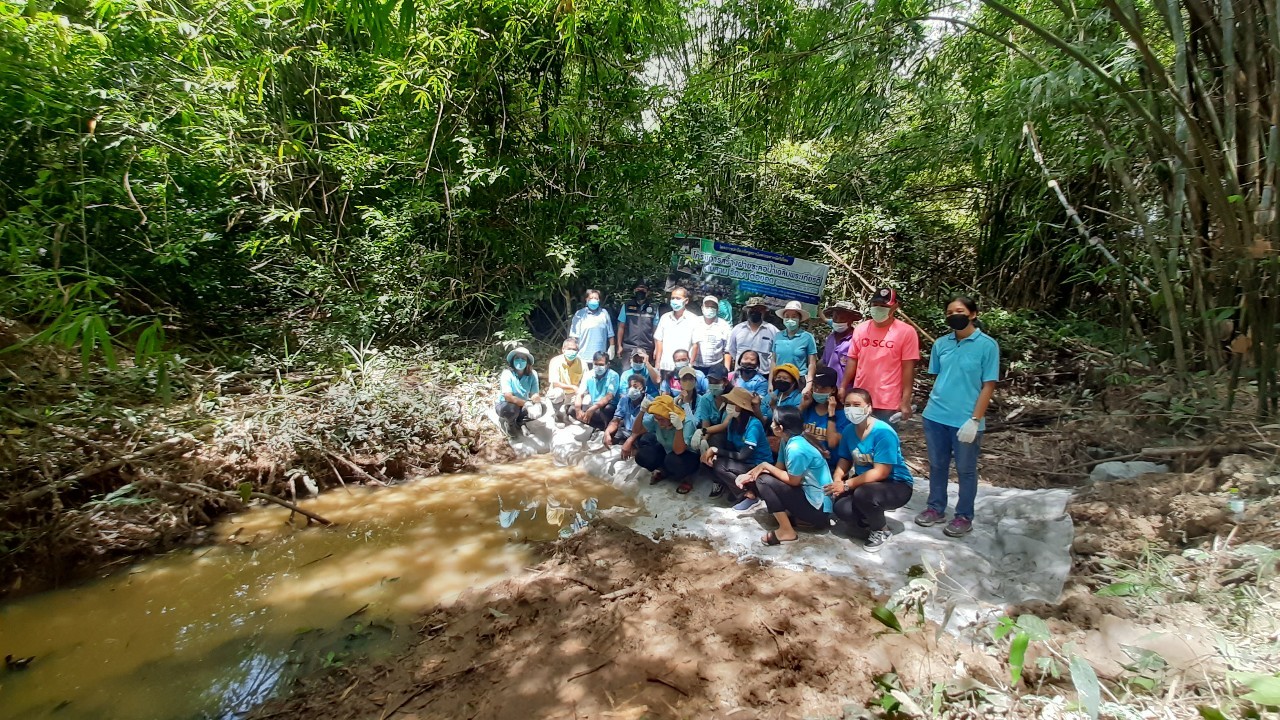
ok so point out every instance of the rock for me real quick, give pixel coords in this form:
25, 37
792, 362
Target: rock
1193, 516
1124, 470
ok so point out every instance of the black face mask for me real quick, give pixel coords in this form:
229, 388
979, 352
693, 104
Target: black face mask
958, 321
782, 387
747, 371
755, 318
641, 296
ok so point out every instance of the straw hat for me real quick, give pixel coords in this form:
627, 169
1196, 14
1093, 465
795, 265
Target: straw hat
740, 397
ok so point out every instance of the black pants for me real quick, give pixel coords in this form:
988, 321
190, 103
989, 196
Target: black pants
599, 419
650, 455
726, 471
781, 497
866, 505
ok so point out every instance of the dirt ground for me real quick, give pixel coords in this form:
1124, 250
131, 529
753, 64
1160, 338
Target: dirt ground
617, 626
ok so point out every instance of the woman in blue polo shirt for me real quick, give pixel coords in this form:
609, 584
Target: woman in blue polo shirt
967, 365
795, 345
793, 488
517, 391
871, 475
598, 396
745, 446
592, 327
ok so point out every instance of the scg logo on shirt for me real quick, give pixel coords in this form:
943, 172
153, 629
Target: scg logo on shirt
868, 342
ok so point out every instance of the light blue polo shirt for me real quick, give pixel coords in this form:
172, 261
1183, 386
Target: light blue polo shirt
962, 366
708, 412
627, 412
597, 388
651, 388
802, 458
881, 445
795, 350
751, 436
667, 436
758, 386
593, 329
791, 400
522, 386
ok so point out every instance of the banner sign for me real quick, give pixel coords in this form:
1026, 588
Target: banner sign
737, 273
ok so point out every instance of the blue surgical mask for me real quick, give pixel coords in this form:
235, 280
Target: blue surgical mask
638, 367
681, 364
709, 312
821, 398
879, 313
570, 355
635, 393
593, 304
677, 304
715, 389
831, 323
791, 323
519, 364
601, 370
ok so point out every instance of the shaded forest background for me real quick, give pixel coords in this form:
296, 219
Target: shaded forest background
284, 176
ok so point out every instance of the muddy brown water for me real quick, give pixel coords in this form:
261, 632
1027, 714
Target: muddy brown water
212, 632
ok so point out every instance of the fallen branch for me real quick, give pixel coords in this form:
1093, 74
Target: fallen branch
79, 475
355, 468
205, 490
619, 594
428, 684
585, 673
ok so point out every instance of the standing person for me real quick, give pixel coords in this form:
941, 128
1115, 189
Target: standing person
794, 345
564, 375
882, 358
630, 405
711, 338
517, 388
835, 349
754, 333
670, 378
675, 330
793, 488
871, 475
640, 366
967, 365
749, 378
745, 446
597, 398
592, 327
636, 322
824, 419
658, 442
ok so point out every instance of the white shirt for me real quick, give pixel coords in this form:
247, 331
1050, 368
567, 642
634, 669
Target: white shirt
675, 334
712, 340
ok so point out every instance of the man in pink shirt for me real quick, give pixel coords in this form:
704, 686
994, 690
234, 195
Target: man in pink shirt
882, 358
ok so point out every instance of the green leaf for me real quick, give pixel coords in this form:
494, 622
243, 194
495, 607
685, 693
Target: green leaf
1017, 654
1120, 589
1035, 628
1211, 713
1088, 688
886, 618
245, 489
1266, 688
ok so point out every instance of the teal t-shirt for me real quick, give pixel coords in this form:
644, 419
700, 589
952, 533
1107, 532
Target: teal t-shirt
795, 350
881, 445
803, 459
752, 436
962, 366
598, 387
708, 412
816, 424
522, 386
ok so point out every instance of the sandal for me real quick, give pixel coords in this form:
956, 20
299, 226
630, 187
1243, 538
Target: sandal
656, 478
685, 487
771, 539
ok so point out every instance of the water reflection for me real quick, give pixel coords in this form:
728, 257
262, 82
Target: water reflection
208, 633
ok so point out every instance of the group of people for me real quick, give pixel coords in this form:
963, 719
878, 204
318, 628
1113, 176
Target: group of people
763, 413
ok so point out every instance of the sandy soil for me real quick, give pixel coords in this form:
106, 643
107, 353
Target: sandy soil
614, 625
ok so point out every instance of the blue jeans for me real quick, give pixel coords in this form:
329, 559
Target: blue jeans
943, 448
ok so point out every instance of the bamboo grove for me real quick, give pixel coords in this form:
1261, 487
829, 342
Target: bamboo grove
266, 172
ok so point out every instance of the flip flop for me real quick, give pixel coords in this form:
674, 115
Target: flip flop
684, 488
771, 539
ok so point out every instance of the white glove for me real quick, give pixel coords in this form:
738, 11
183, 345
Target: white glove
613, 352
698, 442
968, 432
534, 410
646, 402
676, 421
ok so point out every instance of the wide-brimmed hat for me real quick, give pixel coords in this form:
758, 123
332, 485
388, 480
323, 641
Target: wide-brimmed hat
519, 352
796, 306
789, 369
756, 302
845, 305
741, 398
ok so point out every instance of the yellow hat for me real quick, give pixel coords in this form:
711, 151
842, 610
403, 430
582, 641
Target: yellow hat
789, 369
663, 406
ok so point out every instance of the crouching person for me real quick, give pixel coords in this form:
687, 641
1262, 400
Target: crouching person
518, 392
871, 475
659, 443
793, 489
745, 447
598, 395
628, 413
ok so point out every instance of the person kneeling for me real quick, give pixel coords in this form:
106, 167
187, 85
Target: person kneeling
746, 446
518, 393
630, 407
659, 444
598, 395
871, 475
794, 489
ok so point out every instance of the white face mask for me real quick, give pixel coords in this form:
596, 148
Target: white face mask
856, 415
709, 312
879, 313
840, 327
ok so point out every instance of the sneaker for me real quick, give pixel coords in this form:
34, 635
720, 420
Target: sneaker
957, 527
746, 505
877, 539
929, 518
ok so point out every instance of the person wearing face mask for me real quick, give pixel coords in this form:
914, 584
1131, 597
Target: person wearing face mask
564, 375
753, 333
671, 378
675, 330
710, 413
882, 358
629, 408
659, 443
841, 317
592, 327
518, 391
597, 397
711, 338
786, 392
824, 419
871, 475
793, 488
967, 365
637, 320
749, 377
745, 446
687, 400
639, 365
796, 346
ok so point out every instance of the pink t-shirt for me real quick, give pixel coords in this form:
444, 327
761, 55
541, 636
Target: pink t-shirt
880, 353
